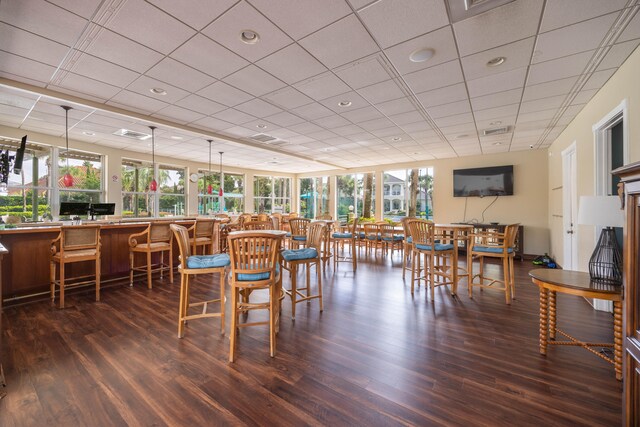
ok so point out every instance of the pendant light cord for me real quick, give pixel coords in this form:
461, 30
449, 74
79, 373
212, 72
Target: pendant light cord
66, 127
209, 141
153, 150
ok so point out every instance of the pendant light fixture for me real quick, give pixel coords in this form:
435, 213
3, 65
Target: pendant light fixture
153, 185
209, 187
67, 180
220, 192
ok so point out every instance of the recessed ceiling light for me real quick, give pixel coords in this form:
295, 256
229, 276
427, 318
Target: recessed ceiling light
421, 55
88, 133
344, 103
261, 126
177, 138
496, 61
158, 91
416, 154
249, 37
396, 138
496, 123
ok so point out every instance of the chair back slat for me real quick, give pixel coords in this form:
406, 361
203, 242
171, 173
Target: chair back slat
253, 254
205, 227
421, 231
299, 226
315, 235
182, 237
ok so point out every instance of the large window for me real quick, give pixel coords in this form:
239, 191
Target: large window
233, 198
171, 188
26, 195
137, 200
356, 196
407, 192
86, 170
272, 194
314, 196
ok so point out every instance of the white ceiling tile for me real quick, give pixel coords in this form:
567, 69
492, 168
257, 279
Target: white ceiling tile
517, 54
279, 64
240, 131
305, 127
258, 108
234, 116
177, 74
407, 118
178, 114
207, 56
538, 115
450, 109
435, 77
454, 120
313, 111
212, 123
584, 96
347, 130
497, 82
18, 65
394, 21
514, 21
285, 119
542, 104
322, 86
573, 39
598, 79
137, 102
441, 42
414, 128
618, 54
254, 80
396, 106
632, 31
84, 8
497, 121
198, 14
558, 68
114, 48
333, 122
99, 69
144, 84
543, 90
364, 72
44, 19
158, 30
362, 115
356, 100
381, 92
224, 94
376, 124
559, 13
288, 98
444, 95
23, 79
31, 46
496, 99
200, 104
227, 29
341, 42
82, 84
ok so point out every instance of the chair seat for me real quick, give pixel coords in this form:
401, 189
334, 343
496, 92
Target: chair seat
491, 249
201, 240
410, 239
342, 235
156, 246
254, 277
208, 261
361, 235
394, 238
299, 254
76, 254
300, 238
288, 234
438, 247
372, 237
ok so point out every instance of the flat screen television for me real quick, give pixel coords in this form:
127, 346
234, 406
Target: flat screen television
481, 182
73, 208
103, 208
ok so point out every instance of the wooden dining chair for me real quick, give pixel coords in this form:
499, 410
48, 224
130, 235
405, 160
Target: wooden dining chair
258, 225
340, 239
75, 243
407, 246
308, 256
262, 217
254, 265
372, 239
242, 219
437, 257
156, 238
299, 227
276, 218
493, 244
324, 217
205, 235
196, 265
390, 238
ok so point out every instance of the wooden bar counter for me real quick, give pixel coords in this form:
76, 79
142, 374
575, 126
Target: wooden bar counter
25, 269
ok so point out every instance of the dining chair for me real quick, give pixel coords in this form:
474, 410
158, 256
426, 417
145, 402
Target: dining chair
299, 227
197, 265
276, 218
254, 259
407, 246
372, 238
205, 235
493, 244
242, 219
390, 238
435, 253
258, 225
262, 217
308, 256
325, 217
156, 238
75, 243
339, 240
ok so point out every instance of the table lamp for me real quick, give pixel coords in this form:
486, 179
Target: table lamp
605, 264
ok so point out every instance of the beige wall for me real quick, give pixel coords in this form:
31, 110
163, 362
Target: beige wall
623, 86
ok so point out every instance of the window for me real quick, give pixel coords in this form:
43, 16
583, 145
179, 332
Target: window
411, 202
233, 192
27, 195
314, 196
233, 198
171, 191
356, 196
86, 170
137, 201
271, 194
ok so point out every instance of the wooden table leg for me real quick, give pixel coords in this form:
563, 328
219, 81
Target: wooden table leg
617, 338
544, 326
552, 315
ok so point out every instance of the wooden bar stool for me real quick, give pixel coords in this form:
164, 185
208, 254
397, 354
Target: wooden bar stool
157, 238
194, 265
75, 243
349, 237
299, 228
204, 232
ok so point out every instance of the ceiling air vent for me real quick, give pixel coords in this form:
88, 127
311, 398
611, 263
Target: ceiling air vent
263, 137
132, 134
495, 131
468, 4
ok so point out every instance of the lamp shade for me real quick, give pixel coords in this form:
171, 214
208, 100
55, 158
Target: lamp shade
603, 211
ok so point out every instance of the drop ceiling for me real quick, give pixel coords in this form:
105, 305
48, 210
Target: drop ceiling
331, 81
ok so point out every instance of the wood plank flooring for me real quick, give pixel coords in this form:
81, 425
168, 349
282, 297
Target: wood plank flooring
376, 356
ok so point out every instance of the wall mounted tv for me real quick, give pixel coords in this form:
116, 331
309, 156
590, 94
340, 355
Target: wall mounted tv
480, 182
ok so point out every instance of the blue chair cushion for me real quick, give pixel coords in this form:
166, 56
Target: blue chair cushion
287, 235
439, 247
371, 237
299, 254
300, 238
342, 235
491, 249
208, 261
410, 239
395, 238
254, 277
361, 235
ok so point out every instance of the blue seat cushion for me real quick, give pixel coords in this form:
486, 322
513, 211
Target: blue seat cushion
208, 261
361, 235
254, 277
395, 238
300, 238
491, 249
373, 237
438, 247
288, 235
410, 239
299, 254
342, 235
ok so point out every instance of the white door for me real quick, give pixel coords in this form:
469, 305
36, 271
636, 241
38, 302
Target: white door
569, 208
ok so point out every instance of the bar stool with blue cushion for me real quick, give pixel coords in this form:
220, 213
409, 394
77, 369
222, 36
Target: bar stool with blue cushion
299, 227
493, 244
349, 237
254, 266
407, 246
435, 254
195, 265
390, 237
311, 255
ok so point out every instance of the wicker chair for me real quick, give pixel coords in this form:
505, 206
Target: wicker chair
74, 244
193, 265
157, 238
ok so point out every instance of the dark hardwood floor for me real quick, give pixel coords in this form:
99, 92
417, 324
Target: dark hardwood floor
376, 356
